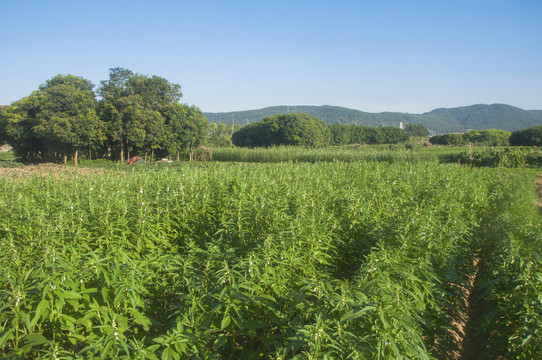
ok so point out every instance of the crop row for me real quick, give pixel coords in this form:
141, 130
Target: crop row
511, 235
249, 261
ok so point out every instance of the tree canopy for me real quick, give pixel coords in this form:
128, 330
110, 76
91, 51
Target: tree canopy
527, 137
136, 114
135, 108
284, 129
353, 134
54, 121
494, 137
416, 130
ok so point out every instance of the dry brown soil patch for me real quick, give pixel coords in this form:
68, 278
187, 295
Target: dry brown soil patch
45, 171
538, 185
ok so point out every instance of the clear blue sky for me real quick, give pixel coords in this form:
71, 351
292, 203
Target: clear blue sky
382, 55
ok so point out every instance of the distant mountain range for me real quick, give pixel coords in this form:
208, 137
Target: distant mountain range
459, 119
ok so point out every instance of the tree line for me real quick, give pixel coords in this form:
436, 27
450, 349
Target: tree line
306, 130
525, 137
133, 114
136, 114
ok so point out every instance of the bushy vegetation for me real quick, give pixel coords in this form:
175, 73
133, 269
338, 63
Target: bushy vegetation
344, 260
416, 130
507, 157
478, 137
527, 137
511, 237
284, 129
353, 134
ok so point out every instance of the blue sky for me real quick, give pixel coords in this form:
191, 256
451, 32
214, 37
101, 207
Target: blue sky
381, 55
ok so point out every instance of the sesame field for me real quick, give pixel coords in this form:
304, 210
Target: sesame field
383, 257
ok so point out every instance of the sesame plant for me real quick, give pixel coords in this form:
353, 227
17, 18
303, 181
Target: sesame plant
359, 259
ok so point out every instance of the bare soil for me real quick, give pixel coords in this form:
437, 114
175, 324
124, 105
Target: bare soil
466, 342
538, 185
45, 171
474, 343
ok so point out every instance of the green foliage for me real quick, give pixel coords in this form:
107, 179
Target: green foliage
57, 120
359, 259
137, 110
488, 137
3, 124
527, 137
352, 134
509, 157
286, 129
491, 137
510, 233
298, 154
136, 113
448, 139
416, 130
461, 119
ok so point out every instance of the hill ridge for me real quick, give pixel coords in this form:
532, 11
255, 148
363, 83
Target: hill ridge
440, 120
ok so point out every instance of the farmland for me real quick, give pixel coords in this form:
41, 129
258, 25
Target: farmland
339, 255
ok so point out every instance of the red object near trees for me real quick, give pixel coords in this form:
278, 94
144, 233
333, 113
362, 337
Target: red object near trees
135, 159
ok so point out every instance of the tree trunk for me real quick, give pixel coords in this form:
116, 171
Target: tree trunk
75, 157
121, 153
145, 157
152, 154
65, 159
90, 154
178, 156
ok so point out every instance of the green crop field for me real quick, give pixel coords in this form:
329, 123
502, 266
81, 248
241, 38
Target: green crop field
321, 254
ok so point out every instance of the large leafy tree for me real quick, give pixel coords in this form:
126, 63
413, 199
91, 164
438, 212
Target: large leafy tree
117, 108
527, 137
186, 126
134, 107
67, 118
416, 130
3, 123
59, 119
284, 129
19, 121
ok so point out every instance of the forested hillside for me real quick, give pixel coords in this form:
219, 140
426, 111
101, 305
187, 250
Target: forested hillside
460, 119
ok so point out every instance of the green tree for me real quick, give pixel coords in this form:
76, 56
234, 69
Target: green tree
3, 123
493, 137
340, 134
187, 127
416, 130
67, 117
116, 106
527, 137
284, 129
135, 107
447, 139
19, 120
393, 135
57, 120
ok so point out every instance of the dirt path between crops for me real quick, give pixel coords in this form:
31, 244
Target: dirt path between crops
467, 343
538, 185
472, 344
